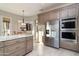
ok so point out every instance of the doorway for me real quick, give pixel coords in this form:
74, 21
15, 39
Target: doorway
40, 36
40, 33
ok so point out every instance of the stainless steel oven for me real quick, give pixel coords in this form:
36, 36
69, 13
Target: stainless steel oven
70, 35
69, 23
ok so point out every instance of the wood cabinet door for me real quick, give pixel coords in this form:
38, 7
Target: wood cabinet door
1, 51
29, 44
69, 11
63, 13
54, 15
1, 44
10, 42
45, 17
72, 10
68, 45
41, 19
11, 49
51, 15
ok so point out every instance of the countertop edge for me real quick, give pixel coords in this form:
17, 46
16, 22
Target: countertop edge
12, 37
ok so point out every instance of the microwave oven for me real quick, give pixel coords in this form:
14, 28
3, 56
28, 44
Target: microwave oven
66, 25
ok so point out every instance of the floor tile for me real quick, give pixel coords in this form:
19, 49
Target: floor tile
42, 50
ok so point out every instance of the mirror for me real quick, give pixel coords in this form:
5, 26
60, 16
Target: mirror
6, 25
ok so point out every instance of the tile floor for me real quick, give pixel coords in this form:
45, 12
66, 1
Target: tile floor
41, 50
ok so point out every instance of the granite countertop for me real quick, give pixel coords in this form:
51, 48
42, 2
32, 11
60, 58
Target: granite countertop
11, 37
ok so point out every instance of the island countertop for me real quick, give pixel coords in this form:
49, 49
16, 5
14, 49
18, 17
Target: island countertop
16, 45
11, 37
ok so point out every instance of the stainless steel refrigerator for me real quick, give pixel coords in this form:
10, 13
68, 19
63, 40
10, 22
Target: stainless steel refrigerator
53, 27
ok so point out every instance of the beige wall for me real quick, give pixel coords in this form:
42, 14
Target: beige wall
14, 21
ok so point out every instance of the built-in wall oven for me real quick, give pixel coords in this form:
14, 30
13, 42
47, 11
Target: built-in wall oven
69, 23
71, 35
67, 28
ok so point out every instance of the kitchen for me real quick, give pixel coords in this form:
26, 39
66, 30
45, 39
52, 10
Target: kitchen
55, 27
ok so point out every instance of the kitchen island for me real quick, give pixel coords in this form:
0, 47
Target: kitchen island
16, 45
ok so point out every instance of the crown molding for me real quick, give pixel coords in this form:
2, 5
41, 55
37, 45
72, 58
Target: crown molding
50, 9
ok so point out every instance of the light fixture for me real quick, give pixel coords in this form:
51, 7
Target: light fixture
23, 27
23, 19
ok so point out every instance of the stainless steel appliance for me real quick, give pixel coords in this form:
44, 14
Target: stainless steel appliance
55, 33
71, 35
68, 28
52, 33
68, 24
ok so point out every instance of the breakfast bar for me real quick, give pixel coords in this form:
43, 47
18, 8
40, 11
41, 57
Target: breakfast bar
16, 45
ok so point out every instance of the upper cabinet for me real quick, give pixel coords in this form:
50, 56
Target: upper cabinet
69, 11
41, 19
54, 15
72, 10
51, 15
64, 12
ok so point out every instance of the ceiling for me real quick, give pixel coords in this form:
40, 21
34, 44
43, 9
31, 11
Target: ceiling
29, 8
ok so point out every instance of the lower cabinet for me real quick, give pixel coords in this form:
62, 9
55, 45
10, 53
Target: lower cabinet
29, 46
71, 45
19, 47
20, 52
1, 51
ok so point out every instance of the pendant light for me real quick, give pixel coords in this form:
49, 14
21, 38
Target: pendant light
23, 27
23, 18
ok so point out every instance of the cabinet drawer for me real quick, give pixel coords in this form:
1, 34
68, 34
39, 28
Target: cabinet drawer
15, 47
9, 42
68, 45
1, 51
1, 44
11, 48
29, 46
19, 52
22, 52
22, 45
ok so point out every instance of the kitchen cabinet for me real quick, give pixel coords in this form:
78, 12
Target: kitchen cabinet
41, 19
72, 10
69, 11
1, 51
29, 44
63, 13
69, 45
54, 15
10, 42
46, 16
16, 47
1, 44
51, 15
